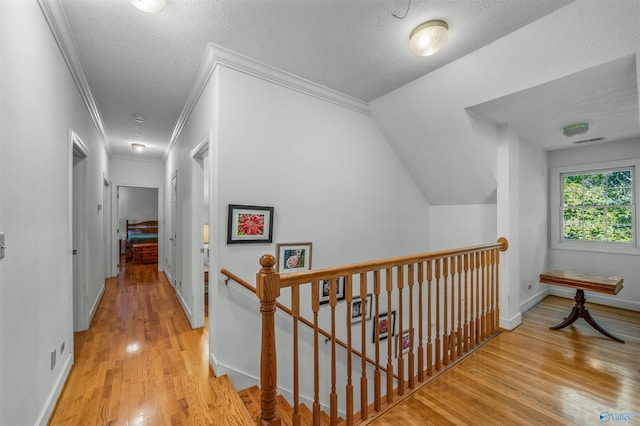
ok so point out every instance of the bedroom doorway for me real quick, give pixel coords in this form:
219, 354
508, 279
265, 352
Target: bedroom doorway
138, 224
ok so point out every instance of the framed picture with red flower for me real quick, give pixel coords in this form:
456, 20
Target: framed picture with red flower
249, 224
293, 257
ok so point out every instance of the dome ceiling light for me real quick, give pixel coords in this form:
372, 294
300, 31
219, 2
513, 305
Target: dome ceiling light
138, 147
575, 129
429, 37
149, 6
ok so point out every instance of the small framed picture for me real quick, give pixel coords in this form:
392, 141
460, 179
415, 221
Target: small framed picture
324, 290
293, 257
249, 224
403, 343
386, 326
357, 306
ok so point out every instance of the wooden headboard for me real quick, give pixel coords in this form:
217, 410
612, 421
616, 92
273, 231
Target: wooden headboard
147, 227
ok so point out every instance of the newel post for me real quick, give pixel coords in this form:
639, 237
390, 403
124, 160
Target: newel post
268, 290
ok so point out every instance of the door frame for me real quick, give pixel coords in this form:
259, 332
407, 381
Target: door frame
199, 155
79, 266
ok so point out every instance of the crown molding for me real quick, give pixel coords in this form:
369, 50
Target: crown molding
219, 56
57, 20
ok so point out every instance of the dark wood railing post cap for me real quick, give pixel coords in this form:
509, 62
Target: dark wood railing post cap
267, 261
504, 242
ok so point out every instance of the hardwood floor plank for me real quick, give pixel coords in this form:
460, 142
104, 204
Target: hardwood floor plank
140, 363
533, 375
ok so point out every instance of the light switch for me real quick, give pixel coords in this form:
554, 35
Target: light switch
1, 245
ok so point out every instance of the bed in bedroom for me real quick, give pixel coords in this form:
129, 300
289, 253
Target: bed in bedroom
141, 245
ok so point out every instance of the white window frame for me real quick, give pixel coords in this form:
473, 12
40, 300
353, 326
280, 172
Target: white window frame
557, 242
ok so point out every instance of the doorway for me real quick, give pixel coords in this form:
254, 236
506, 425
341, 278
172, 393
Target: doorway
202, 229
138, 222
79, 153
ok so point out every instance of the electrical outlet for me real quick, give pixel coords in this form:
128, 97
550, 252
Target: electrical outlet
62, 347
53, 358
529, 287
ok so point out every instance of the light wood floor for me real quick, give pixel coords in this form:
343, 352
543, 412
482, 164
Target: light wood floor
536, 376
140, 363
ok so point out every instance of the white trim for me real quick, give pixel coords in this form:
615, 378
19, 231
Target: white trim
57, 20
596, 298
511, 323
556, 204
534, 300
52, 398
185, 307
217, 55
96, 302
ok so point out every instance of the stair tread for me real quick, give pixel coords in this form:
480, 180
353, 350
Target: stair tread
228, 403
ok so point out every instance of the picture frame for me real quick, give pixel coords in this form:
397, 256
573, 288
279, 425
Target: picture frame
293, 257
249, 224
403, 343
356, 308
383, 325
325, 297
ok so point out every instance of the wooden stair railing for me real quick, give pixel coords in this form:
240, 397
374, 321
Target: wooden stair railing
297, 317
462, 312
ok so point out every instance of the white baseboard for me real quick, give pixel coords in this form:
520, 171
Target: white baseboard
534, 300
53, 396
96, 302
185, 307
511, 323
597, 298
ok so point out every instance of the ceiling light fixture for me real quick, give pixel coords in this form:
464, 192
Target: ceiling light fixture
149, 6
139, 118
138, 147
426, 39
575, 129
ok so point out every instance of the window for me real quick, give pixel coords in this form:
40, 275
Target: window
595, 207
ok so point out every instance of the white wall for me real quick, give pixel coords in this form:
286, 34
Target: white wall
39, 104
326, 170
534, 224
622, 265
136, 205
461, 226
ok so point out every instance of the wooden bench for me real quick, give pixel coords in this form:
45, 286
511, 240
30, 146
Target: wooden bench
582, 282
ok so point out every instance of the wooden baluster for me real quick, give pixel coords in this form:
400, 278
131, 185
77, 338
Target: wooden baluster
438, 361
349, 388
364, 398
474, 297
492, 271
377, 392
467, 299
445, 305
460, 298
420, 306
333, 397
483, 321
410, 356
268, 290
315, 306
400, 314
453, 347
389, 279
295, 310
498, 289
478, 313
429, 316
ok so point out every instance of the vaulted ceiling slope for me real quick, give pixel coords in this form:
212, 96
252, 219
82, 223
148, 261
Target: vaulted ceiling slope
451, 151
138, 63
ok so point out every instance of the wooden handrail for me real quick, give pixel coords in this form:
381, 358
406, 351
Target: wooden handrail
303, 320
464, 280
298, 278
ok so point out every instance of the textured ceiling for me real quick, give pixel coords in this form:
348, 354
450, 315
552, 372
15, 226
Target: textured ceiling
605, 96
138, 63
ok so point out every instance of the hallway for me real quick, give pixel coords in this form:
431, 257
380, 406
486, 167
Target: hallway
140, 363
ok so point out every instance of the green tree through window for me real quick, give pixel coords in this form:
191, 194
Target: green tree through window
598, 206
